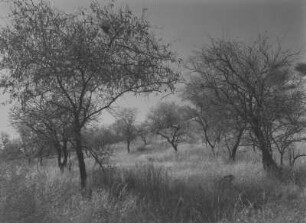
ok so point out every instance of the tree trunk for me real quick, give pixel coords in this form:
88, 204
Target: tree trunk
281, 158
59, 159
174, 145
41, 161
265, 146
128, 146
290, 158
81, 161
144, 139
62, 155
236, 145
170, 141
65, 152
267, 160
234, 152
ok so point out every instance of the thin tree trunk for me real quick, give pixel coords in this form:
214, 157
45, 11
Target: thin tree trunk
281, 158
174, 146
65, 152
62, 155
144, 139
236, 145
81, 161
234, 152
128, 146
59, 158
170, 141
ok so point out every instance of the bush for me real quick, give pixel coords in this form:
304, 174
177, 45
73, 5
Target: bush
18, 197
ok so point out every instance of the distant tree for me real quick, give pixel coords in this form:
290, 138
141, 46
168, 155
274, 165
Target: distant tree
256, 85
143, 131
82, 62
170, 121
31, 145
12, 149
216, 121
43, 126
211, 128
233, 137
125, 125
5, 139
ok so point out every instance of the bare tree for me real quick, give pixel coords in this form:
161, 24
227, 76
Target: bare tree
170, 121
143, 131
216, 120
254, 83
82, 62
125, 125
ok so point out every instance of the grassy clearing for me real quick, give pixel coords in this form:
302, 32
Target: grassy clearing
153, 186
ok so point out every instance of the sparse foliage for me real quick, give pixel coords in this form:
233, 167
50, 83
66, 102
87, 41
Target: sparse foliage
76, 64
43, 127
170, 121
12, 149
98, 143
256, 86
125, 125
143, 131
214, 119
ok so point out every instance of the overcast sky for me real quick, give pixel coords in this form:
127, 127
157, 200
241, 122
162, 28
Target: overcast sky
188, 24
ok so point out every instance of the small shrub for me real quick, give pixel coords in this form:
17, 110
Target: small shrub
18, 197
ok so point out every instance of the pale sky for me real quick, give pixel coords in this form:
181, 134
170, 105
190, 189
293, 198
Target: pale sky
188, 24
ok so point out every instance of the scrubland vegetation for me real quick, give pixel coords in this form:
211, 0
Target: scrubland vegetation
234, 152
155, 185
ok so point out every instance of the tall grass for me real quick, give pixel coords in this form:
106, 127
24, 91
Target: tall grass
164, 199
168, 188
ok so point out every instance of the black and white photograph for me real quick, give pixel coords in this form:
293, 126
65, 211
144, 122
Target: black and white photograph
152, 111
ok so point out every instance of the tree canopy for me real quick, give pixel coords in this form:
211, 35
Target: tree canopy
253, 85
81, 63
125, 125
170, 121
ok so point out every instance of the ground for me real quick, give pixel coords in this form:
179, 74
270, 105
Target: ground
154, 184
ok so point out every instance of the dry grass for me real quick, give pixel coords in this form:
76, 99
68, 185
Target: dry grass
154, 185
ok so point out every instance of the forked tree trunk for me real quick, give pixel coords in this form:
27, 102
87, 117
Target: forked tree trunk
174, 145
172, 141
144, 139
